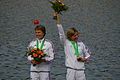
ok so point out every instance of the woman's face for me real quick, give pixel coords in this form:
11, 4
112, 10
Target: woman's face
39, 34
75, 37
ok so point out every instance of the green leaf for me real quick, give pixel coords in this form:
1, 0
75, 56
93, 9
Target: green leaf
37, 59
58, 7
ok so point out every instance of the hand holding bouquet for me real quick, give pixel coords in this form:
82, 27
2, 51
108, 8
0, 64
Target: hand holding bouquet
81, 59
37, 55
58, 6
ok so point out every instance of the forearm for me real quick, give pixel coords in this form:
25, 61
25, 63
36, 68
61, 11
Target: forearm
86, 52
49, 58
61, 33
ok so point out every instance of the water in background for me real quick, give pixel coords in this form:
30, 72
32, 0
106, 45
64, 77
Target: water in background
97, 20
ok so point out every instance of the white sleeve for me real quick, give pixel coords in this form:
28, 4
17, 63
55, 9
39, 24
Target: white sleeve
61, 33
50, 55
30, 46
29, 57
86, 52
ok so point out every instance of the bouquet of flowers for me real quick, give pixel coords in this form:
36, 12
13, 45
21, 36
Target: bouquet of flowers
58, 6
37, 54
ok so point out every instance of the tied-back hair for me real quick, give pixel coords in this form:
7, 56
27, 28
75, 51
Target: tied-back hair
70, 32
42, 28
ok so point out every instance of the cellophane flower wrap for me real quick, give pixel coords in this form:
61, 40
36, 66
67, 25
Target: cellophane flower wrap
37, 54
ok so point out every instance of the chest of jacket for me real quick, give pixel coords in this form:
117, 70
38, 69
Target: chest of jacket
70, 49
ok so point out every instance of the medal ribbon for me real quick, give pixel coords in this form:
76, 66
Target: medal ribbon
41, 44
75, 46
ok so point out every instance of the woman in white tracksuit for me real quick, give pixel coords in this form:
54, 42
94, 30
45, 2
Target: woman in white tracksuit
75, 52
41, 71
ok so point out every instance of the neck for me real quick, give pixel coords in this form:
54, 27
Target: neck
73, 40
40, 38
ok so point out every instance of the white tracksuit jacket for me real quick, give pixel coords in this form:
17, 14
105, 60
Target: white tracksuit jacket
44, 66
75, 69
71, 60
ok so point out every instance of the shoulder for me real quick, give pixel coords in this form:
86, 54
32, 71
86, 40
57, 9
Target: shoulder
32, 43
49, 42
80, 43
34, 40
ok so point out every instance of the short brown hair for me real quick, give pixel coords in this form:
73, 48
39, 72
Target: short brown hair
42, 28
70, 32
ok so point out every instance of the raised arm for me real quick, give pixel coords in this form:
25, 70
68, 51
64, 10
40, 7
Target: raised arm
60, 30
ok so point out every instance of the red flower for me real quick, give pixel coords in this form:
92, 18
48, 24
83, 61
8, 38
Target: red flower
37, 54
40, 52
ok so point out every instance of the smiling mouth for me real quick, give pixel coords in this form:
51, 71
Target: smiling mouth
40, 37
